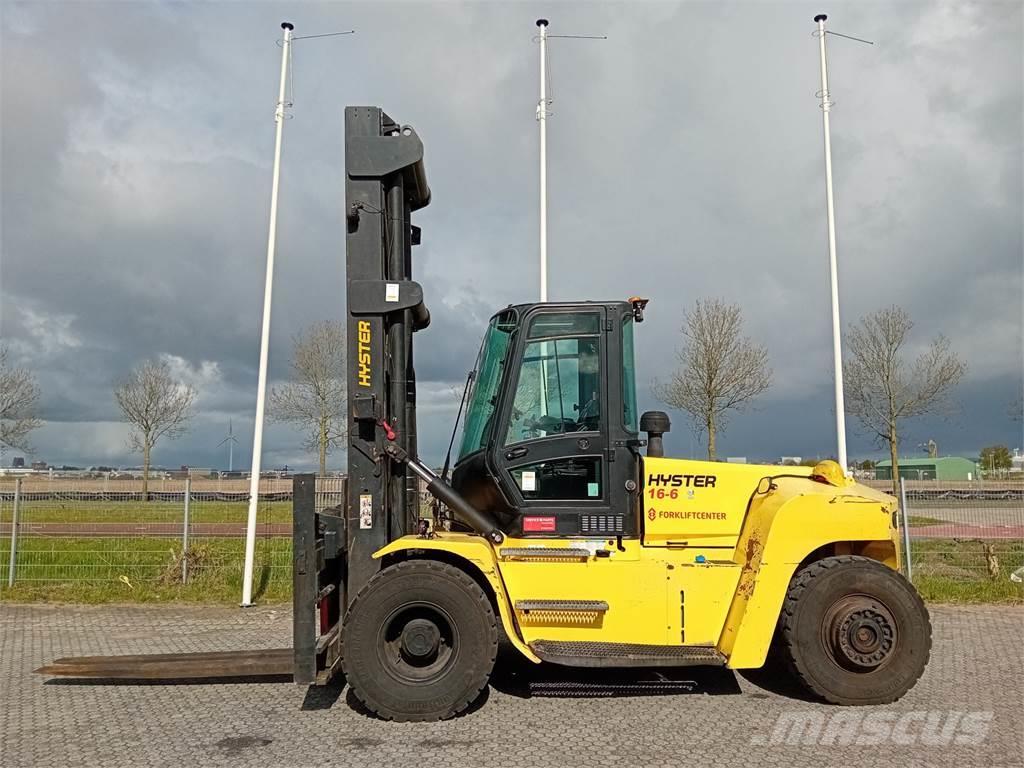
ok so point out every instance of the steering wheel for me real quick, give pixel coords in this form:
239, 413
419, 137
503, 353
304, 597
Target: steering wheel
550, 424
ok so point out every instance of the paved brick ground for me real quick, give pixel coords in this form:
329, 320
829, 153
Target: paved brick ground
527, 719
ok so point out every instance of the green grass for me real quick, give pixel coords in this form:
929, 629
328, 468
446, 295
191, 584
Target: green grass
915, 521
939, 589
91, 570
77, 511
948, 571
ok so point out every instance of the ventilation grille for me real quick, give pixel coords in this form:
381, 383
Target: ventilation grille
560, 606
610, 524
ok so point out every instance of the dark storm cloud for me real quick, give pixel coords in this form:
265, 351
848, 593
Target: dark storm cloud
685, 161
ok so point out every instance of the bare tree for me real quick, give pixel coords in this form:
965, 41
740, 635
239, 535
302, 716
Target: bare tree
883, 389
315, 398
720, 369
19, 400
156, 405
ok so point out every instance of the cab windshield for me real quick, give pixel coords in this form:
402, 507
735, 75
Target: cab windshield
490, 365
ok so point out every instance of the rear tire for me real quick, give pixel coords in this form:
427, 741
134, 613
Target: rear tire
854, 631
419, 642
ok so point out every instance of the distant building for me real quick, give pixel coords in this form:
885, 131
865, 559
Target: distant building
952, 468
40, 466
736, 460
186, 471
1017, 461
790, 461
19, 462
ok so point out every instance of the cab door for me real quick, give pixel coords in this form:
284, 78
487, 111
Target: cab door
552, 452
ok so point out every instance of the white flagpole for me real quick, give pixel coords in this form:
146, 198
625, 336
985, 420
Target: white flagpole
542, 119
261, 390
837, 346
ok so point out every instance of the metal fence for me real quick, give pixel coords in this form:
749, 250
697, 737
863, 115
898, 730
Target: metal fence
180, 532
68, 532
966, 532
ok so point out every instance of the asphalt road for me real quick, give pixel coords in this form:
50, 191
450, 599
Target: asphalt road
968, 710
976, 513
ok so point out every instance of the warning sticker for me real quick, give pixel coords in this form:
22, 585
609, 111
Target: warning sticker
391, 292
529, 481
366, 510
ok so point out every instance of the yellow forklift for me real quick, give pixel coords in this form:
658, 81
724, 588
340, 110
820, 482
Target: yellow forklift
563, 529
568, 532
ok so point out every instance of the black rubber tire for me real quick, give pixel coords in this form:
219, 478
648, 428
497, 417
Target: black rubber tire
825, 672
379, 681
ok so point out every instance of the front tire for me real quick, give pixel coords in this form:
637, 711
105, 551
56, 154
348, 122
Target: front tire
419, 642
854, 631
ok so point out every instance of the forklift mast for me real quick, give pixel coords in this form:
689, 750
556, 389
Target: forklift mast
384, 183
333, 548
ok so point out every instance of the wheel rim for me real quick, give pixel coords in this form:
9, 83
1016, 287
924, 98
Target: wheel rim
859, 633
418, 643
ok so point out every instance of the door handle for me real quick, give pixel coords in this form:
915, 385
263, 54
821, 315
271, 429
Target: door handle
516, 453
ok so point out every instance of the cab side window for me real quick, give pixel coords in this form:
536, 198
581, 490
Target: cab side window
558, 390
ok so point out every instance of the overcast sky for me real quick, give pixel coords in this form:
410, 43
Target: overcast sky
685, 162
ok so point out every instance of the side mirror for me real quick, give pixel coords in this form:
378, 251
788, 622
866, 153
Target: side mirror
655, 424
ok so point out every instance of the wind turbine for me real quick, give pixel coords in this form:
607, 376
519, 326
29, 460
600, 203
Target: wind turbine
230, 440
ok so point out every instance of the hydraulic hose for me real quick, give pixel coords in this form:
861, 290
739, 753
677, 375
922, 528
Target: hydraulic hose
440, 490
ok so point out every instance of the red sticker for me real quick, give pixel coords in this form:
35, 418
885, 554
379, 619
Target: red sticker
539, 524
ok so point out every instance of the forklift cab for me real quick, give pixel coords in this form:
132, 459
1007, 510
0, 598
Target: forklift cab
550, 442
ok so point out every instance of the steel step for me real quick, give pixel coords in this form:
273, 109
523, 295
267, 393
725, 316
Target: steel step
545, 553
175, 666
586, 689
563, 606
591, 654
